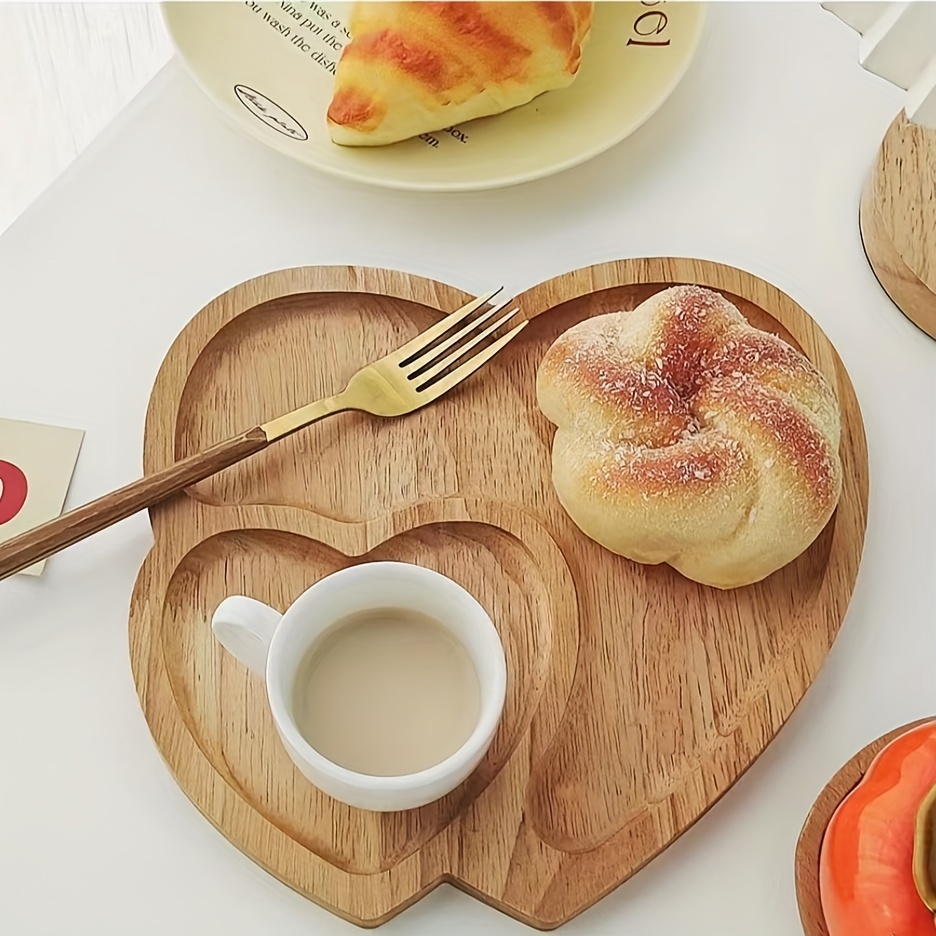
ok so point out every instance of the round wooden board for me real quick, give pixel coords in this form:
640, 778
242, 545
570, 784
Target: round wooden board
637, 697
898, 220
809, 844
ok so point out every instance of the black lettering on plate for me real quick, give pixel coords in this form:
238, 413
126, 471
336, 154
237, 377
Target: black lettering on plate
270, 113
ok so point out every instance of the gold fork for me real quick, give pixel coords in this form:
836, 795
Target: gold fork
403, 381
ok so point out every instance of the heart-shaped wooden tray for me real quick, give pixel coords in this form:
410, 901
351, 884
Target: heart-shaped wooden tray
636, 697
809, 844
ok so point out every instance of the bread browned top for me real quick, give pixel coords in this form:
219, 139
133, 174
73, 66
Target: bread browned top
415, 67
696, 428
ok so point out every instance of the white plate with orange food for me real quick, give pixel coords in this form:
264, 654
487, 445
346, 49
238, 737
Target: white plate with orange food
276, 70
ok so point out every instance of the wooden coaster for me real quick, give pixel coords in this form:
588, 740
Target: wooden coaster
636, 697
898, 220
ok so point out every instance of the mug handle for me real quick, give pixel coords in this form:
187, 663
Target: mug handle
244, 627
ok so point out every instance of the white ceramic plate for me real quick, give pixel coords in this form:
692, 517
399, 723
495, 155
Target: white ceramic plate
269, 67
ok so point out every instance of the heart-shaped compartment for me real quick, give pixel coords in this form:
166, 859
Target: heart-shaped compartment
225, 707
637, 696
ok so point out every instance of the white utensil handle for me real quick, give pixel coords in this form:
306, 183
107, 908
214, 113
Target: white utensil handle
244, 627
898, 44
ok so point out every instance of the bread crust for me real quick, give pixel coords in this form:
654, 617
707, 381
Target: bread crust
411, 68
687, 436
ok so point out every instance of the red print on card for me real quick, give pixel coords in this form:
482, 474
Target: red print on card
13, 490
36, 466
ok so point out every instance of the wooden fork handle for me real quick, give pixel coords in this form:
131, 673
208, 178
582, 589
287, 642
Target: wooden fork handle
22, 551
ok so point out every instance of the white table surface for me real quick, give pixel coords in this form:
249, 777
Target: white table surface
66, 69
757, 160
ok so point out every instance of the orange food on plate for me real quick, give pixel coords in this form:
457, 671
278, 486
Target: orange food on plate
866, 863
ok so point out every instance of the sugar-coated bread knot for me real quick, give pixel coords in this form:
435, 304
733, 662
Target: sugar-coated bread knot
687, 436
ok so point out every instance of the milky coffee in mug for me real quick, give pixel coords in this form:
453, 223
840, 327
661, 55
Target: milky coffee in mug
386, 692
386, 680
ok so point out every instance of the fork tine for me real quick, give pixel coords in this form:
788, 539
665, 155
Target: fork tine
437, 366
432, 354
471, 365
415, 346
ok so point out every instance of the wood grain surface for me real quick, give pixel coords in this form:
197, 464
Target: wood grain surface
809, 844
636, 697
898, 220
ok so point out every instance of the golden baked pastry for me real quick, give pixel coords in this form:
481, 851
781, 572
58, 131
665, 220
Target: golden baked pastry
689, 437
411, 68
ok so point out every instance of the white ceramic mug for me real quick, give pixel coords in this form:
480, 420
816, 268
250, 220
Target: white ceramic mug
273, 645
